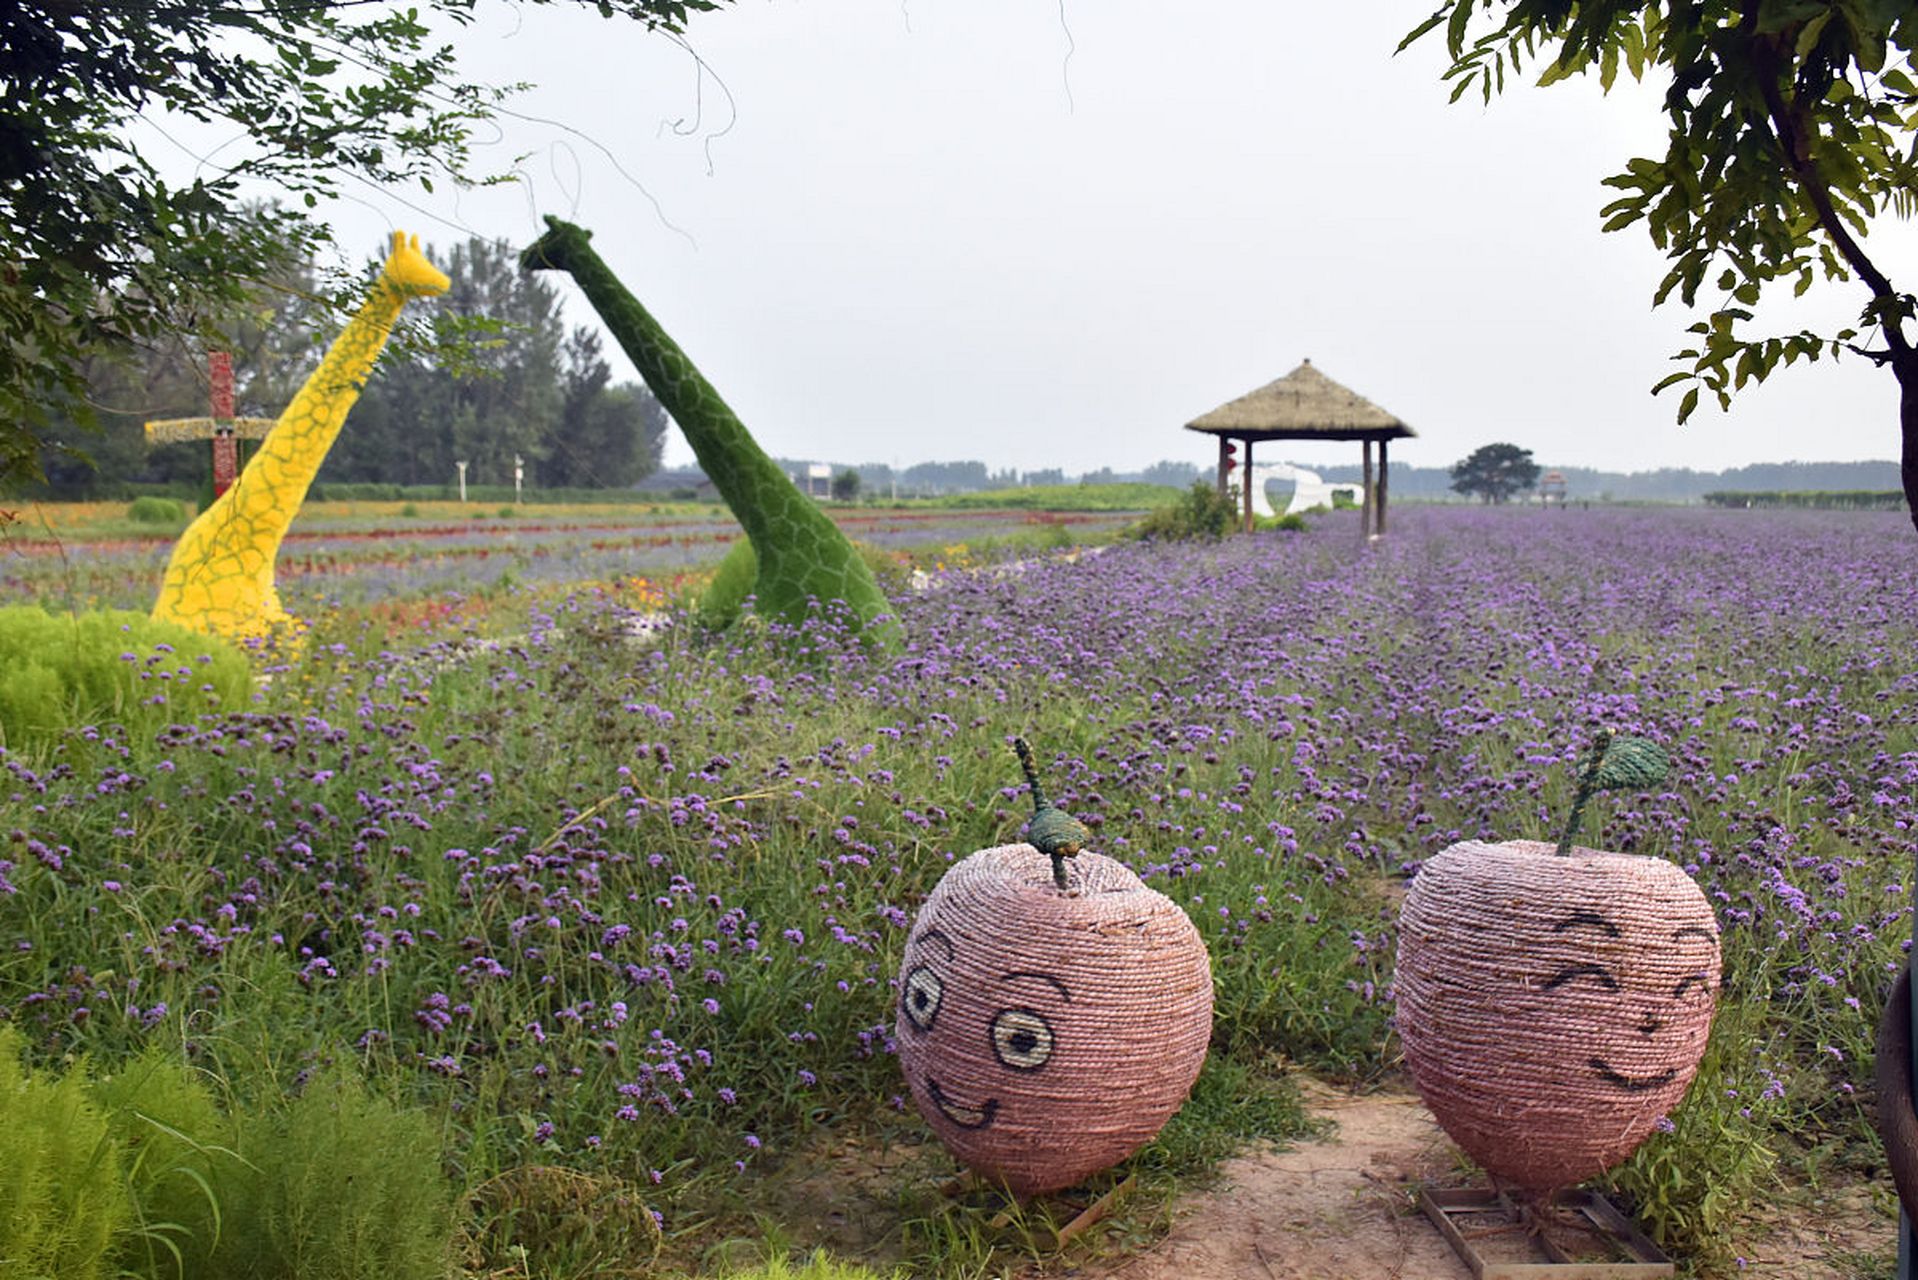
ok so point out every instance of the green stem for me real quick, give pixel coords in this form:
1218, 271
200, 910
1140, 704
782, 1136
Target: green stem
1587, 786
1039, 800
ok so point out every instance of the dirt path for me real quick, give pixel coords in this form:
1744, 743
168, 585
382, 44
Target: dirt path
1328, 1210
1342, 1208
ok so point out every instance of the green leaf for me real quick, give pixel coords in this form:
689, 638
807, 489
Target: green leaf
1808, 36
1685, 406
1437, 17
1632, 763
1455, 29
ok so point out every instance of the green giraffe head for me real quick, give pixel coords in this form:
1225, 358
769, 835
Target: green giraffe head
560, 249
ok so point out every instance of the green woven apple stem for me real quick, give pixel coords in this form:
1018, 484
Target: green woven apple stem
1052, 831
1614, 764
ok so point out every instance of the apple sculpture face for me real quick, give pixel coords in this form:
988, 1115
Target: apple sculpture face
1047, 1034
1553, 1008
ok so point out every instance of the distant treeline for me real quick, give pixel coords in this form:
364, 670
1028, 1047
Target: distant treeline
1824, 499
1667, 484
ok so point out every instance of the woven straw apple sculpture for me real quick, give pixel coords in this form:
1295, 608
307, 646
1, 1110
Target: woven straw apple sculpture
1051, 1018
1554, 1003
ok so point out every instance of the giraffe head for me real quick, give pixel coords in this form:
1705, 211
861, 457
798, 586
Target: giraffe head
563, 246
408, 270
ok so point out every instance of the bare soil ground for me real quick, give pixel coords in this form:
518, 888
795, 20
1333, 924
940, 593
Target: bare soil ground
1339, 1207
1344, 1208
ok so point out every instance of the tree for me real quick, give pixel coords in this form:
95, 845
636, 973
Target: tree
498, 399
845, 486
1792, 128
511, 382
607, 437
1173, 474
100, 252
1495, 472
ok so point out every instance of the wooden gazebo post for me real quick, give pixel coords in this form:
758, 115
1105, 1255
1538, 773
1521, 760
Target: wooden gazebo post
1381, 497
1245, 484
1305, 405
1365, 492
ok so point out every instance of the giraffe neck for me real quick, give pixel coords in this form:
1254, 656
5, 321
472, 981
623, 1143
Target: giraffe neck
745, 477
269, 491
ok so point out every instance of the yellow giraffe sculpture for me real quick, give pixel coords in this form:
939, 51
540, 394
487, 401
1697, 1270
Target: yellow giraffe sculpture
220, 578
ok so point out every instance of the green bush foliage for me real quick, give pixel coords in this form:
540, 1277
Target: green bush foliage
1201, 512
338, 1185
1692, 1180
62, 671
62, 1200
732, 582
151, 510
820, 1266
719, 605
141, 1174
176, 1146
1811, 499
1121, 496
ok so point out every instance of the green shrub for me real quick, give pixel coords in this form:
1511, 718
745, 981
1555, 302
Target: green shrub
549, 1220
410, 511
719, 605
337, 1185
152, 510
62, 1200
175, 1144
820, 1266
507, 513
733, 580
1692, 1181
61, 671
1201, 512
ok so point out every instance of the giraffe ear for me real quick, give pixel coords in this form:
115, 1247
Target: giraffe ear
415, 244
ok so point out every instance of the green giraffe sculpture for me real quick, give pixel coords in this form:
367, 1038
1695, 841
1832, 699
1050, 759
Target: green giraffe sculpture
802, 554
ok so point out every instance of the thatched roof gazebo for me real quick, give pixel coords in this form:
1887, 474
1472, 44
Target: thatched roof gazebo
1305, 405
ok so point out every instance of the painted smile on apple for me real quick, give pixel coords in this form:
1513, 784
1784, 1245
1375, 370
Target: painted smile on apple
964, 1117
1632, 1084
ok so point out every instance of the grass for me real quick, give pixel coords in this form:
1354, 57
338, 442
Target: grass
1129, 496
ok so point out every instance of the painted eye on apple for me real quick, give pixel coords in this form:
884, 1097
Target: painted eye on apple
920, 997
1021, 1039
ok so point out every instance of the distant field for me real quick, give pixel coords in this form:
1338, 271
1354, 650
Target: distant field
345, 556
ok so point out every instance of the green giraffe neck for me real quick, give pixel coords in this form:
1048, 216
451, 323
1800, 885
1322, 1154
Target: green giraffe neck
802, 554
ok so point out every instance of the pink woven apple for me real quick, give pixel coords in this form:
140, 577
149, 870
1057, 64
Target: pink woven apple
1553, 1008
1047, 1034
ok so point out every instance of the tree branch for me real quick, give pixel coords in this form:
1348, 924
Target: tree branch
1795, 142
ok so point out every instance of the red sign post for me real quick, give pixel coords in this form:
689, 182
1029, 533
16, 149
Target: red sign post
221, 427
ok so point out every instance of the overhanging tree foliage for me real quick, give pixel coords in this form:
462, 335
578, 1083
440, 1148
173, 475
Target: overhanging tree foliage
1792, 130
1495, 472
99, 251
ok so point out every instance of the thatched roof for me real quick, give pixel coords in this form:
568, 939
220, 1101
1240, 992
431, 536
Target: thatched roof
1303, 405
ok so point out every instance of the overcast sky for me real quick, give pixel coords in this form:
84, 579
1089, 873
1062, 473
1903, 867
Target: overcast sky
997, 229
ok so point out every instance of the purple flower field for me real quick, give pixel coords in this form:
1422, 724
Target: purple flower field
642, 908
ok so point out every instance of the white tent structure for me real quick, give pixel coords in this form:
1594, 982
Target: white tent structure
1308, 491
